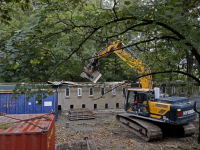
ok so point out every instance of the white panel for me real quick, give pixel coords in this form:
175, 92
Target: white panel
48, 103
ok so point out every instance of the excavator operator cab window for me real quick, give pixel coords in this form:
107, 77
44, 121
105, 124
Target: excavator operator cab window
131, 97
150, 96
142, 97
136, 98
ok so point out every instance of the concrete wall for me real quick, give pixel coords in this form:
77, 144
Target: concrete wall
78, 101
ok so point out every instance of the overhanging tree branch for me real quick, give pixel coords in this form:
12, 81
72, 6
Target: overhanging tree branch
172, 71
149, 40
144, 22
178, 34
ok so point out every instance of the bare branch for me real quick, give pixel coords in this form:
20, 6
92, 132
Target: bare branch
115, 3
149, 40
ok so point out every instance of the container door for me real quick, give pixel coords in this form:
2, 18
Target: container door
48, 104
3, 103
55, 95
38, 108
30, 106
20, 104
11, 105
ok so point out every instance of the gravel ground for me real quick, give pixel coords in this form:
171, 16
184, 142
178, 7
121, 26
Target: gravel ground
105, 134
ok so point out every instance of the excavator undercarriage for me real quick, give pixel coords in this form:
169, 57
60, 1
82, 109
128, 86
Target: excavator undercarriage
149, 131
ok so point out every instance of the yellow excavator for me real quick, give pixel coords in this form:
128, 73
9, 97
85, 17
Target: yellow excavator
147, 114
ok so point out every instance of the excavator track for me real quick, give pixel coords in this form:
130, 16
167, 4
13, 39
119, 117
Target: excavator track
148, 130
144, 129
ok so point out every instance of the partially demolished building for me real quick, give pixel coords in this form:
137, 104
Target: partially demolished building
108, 95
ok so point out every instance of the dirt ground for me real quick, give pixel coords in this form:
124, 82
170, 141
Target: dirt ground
105, 134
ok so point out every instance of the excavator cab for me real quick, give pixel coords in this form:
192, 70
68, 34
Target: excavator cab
137, 101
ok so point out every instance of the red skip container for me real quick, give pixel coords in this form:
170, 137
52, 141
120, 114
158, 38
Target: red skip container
27, 132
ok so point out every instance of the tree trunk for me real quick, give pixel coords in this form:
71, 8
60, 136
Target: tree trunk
168, 85
190, 61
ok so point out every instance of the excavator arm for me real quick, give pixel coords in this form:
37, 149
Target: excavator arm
91, 70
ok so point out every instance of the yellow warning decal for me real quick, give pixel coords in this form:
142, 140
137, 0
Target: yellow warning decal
49, 138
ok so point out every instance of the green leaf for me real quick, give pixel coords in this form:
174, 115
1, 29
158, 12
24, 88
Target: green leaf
15, 66
9, 47
116, 8
39, 102
168, 12
50, 93
127, 2
44, 96
177, 17
164, 17
38, 97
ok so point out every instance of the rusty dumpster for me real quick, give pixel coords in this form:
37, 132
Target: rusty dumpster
27, 132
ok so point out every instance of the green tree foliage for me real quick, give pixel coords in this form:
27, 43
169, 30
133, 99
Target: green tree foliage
59, 36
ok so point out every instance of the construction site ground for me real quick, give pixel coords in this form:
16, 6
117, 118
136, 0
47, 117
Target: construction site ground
105, 134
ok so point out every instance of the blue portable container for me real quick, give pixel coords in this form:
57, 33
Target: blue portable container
20, 106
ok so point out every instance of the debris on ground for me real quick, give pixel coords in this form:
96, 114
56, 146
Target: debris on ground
80, 113
107, 134
78, 145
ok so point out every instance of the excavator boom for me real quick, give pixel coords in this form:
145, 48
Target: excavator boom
91, 71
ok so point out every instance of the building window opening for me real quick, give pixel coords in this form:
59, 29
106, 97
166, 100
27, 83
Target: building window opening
91, 91
102, 91
83, 105
113, 92
106, 105
117, 105
95, 106
124, 91
59, 107
173, 90
71, 106
67, 92
163, 89
79, 91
